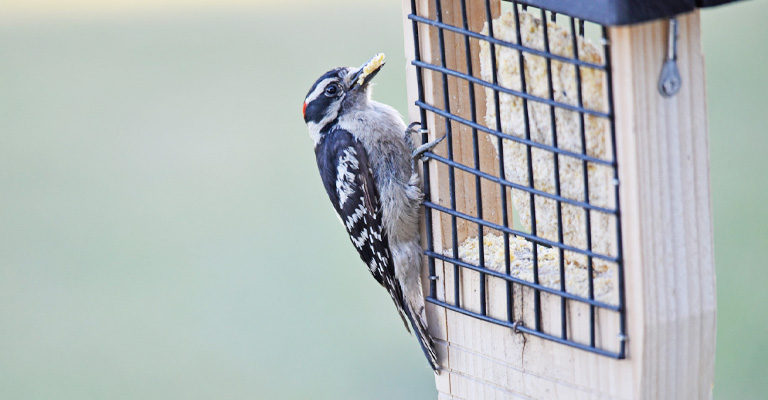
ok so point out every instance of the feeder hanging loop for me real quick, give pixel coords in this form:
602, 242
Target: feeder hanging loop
669, 79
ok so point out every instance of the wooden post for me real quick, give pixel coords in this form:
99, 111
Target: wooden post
667, 214
663, 164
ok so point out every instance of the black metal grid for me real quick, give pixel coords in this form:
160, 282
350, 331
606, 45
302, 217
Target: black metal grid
442, 112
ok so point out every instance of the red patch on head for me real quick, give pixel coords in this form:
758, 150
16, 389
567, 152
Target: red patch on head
304, 110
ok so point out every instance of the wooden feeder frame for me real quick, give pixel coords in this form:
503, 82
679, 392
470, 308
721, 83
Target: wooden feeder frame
664, 324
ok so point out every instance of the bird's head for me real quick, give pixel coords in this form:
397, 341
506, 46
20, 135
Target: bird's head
337, 91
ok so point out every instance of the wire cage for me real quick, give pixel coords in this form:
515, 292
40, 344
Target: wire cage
531, 213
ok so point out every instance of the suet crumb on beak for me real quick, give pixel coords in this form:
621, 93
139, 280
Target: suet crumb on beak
376, 62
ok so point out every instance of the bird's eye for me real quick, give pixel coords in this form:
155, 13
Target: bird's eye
332, 90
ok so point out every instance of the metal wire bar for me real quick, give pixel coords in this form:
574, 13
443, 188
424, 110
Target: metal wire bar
619, 247
509, 289
424, 139
522, 282
556, 159
513, 138
499, 42
451, 173
531, 238
529, 162
516, 93
585, 174
524, 329
475, 154
518, 186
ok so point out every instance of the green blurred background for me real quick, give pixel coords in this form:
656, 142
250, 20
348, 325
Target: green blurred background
164, 233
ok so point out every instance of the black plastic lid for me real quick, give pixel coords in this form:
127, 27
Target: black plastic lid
622, 12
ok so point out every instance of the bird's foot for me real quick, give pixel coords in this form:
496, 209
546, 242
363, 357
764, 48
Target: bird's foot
419, 151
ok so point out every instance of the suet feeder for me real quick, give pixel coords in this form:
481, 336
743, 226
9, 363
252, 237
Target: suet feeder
567, 223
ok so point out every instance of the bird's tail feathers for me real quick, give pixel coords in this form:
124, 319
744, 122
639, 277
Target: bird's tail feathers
424, 338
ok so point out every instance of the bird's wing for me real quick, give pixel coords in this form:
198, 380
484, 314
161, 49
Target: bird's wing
351, 186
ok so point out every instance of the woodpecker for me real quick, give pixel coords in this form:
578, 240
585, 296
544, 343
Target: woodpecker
364, 155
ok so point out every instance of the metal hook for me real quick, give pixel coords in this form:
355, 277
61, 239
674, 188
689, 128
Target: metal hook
669, 79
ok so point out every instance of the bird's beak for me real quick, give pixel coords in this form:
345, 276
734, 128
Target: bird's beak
363, 75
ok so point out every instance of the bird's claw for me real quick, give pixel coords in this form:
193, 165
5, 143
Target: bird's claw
419, 151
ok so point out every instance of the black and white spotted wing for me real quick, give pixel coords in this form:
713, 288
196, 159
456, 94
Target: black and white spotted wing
349, 182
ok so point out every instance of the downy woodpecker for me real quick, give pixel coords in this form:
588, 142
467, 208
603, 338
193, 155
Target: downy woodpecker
364, 155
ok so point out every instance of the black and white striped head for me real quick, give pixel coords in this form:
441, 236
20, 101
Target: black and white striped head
335, 92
